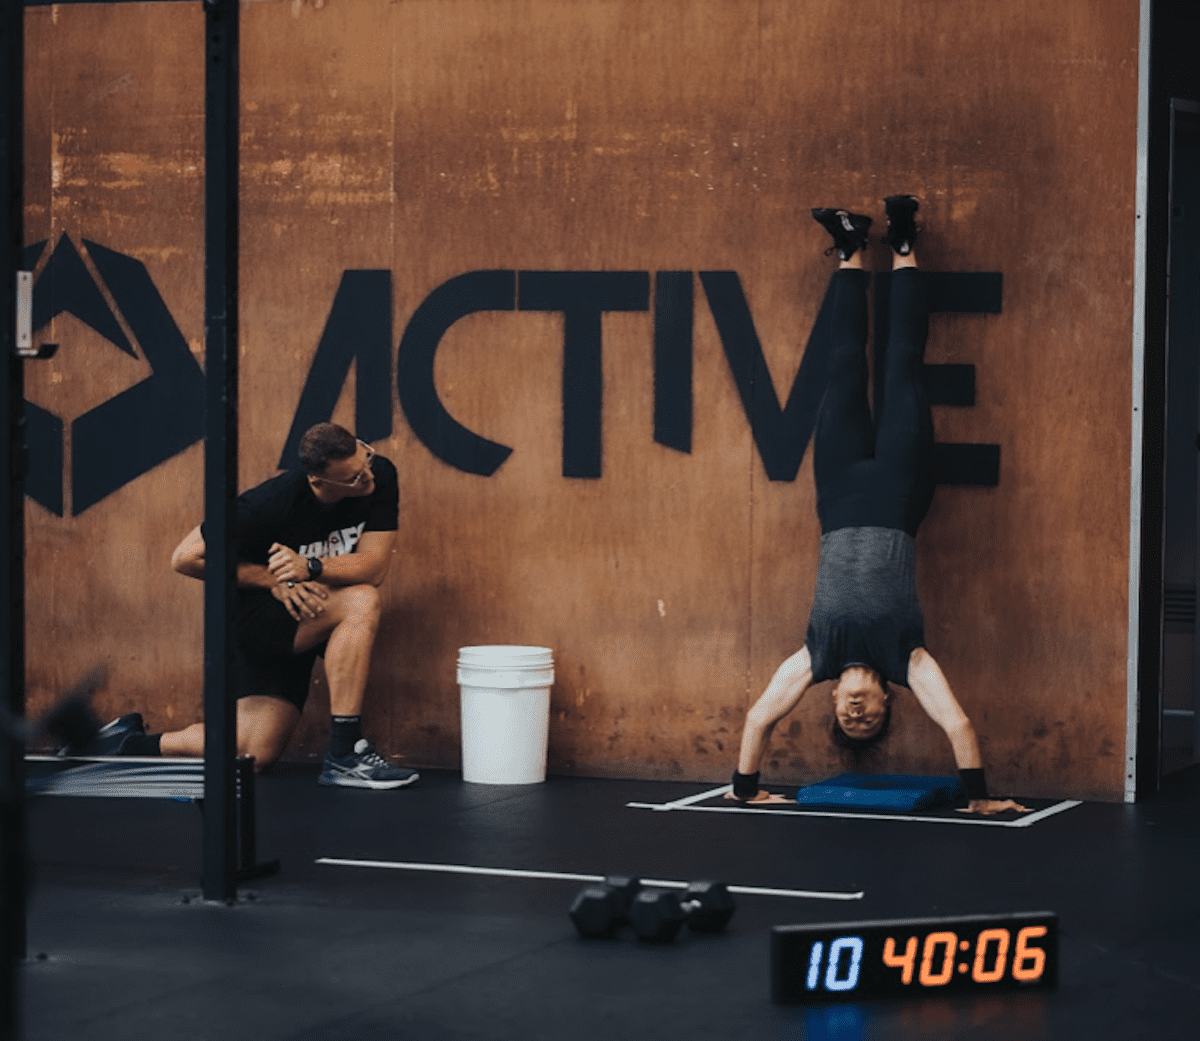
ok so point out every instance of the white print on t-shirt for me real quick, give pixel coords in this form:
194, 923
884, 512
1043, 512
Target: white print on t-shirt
336, 543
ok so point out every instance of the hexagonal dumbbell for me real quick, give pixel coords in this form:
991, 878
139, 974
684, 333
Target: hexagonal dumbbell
600, 909
658, 914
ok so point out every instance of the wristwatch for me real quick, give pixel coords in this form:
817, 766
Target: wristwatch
315, 567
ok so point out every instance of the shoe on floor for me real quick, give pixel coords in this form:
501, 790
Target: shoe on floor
364, 768
110, 737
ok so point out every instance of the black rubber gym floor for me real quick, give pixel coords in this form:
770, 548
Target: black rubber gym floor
122, 947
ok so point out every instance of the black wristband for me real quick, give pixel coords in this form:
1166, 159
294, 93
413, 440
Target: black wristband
973, 782
745, 786
315, 567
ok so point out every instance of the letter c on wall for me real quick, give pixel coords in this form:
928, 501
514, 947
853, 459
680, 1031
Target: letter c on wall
437, 430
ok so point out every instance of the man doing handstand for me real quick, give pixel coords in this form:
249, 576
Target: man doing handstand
875, 484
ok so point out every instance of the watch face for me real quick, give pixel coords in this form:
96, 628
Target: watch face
314, 567
911, 957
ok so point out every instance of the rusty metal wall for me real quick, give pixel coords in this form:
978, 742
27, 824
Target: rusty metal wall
115, 164
390, 147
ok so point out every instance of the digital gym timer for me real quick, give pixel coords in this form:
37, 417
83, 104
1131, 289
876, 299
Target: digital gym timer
914, 956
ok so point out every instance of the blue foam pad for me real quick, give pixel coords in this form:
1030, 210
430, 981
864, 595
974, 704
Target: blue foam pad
883, 792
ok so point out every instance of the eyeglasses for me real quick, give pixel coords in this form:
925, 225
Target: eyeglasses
357, 480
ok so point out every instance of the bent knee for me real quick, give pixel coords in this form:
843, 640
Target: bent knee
361, 601
264, 752
264, 727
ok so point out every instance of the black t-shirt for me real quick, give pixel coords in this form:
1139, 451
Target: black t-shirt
284, 509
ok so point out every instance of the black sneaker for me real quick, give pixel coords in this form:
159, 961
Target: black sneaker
364, 768
902, 225
110, 737
849, 230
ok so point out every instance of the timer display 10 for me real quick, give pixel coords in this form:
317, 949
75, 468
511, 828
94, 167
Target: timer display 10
914, 956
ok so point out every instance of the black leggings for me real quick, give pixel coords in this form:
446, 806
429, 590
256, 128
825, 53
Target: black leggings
876, 474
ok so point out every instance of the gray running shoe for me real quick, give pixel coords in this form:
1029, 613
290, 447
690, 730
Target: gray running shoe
364, 768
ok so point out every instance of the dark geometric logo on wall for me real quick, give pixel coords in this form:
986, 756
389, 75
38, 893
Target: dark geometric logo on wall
153, 420
148, 423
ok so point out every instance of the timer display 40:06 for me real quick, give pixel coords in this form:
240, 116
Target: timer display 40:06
814, 963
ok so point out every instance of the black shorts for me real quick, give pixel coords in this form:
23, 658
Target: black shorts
264, 660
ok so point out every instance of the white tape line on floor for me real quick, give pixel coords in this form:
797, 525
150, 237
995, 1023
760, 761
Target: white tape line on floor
1020, 822
467, 869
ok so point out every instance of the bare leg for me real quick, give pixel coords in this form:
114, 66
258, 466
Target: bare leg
349, 622
264, 726
186, 743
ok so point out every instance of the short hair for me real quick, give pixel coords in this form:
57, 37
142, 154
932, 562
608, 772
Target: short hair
861, 744
323, 444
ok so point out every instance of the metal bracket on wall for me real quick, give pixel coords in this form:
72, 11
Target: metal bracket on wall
24, 346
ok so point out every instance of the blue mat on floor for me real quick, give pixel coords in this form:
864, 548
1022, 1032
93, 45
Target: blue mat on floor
883, 792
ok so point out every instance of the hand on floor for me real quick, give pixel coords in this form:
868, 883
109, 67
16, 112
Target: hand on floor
760, 798
987, 806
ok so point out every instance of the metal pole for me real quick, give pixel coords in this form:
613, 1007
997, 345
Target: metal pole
220, 441
12, 509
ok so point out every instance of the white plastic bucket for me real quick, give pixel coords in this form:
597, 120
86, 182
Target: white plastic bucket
505, 695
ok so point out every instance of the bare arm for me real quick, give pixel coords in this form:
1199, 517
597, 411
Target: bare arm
303, 599
783, 694
368, 564
188, 558
928, 683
